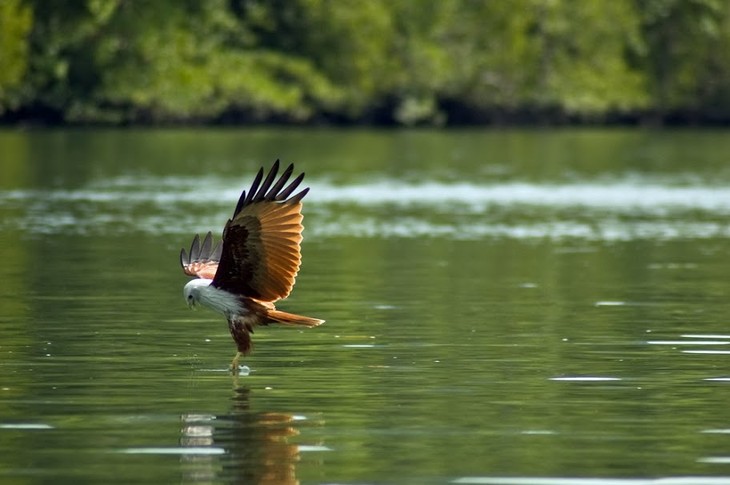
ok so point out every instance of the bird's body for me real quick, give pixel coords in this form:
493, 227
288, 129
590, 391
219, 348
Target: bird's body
256, 263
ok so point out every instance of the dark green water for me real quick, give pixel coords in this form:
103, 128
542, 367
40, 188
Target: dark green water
499, 304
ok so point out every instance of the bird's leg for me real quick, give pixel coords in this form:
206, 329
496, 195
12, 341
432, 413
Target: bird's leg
234, 363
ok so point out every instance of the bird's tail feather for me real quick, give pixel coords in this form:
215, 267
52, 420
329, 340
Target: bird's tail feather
292, 319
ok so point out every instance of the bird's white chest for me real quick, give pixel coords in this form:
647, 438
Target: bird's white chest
220, 300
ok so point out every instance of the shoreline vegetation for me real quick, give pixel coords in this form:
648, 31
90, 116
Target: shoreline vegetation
364, 62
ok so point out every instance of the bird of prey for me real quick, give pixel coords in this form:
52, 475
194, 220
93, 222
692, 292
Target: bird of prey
256, 262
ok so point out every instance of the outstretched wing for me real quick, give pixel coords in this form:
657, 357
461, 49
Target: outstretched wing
202, 261
261, 243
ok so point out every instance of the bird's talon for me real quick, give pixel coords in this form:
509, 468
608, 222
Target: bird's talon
234, 364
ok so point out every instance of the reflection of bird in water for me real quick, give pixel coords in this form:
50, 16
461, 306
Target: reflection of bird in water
253, 446
257, 262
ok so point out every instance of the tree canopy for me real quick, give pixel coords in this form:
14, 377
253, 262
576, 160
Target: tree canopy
364, 61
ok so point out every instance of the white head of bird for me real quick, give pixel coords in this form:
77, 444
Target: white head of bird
200, 291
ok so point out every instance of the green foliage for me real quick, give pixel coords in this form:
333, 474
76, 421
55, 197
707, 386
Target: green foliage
15, 23
406, 61
687, 55
586, 68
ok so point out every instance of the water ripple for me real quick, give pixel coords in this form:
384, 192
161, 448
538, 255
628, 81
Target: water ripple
613, 211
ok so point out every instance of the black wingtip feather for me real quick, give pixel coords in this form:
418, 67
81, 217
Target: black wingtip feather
267, 183
198, 253
215, 255
271, 195
240, 204
207, 246
271, 189
299, 196
255, 185
195, 248
290, 188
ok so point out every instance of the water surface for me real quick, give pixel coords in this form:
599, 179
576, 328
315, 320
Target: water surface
500, 305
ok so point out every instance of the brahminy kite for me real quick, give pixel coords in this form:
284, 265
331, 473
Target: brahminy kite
256, 262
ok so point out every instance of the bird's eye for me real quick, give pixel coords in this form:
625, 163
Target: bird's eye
190, 297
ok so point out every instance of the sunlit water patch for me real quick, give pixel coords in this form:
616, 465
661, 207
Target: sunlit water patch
611, 211
193, 450
25, 426
585, 379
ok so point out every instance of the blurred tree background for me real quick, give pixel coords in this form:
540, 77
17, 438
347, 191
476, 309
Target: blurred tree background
403, 62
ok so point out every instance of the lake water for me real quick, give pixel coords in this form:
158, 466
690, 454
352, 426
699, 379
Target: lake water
515, 306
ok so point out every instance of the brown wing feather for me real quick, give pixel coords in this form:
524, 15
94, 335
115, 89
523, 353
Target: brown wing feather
265, 259
202, 261
261, 244
202, 270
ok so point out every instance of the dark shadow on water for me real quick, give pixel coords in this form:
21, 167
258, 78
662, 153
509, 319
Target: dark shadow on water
245, 446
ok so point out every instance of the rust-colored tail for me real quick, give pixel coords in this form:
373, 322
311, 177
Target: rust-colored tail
292, 319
